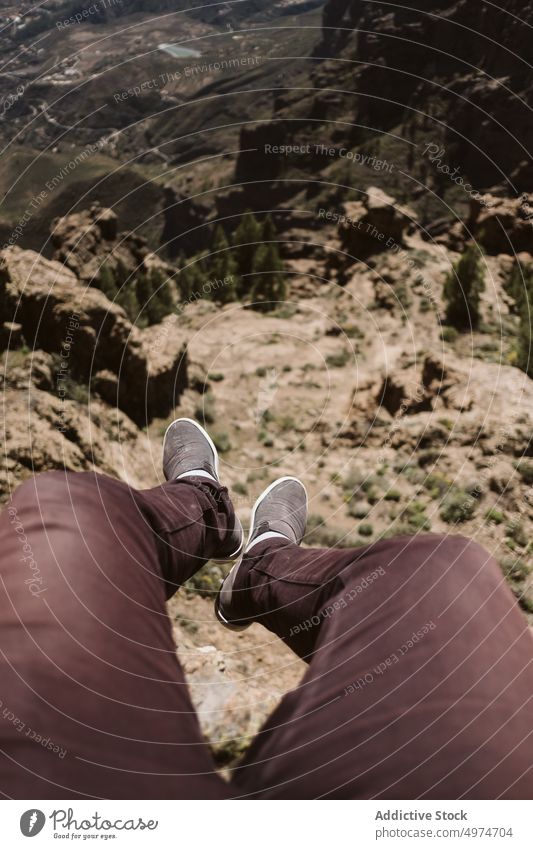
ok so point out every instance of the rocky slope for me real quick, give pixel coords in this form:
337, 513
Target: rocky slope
394, 428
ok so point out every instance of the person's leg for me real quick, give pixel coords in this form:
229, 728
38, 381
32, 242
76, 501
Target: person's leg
420, 682
93, 701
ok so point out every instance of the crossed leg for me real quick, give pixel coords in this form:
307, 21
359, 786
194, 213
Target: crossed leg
93, 701
420, 679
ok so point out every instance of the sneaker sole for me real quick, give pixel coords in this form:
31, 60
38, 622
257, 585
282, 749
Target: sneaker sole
231, 626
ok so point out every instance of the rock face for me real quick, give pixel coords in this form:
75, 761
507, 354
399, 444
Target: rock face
87, 242
91, 337
184, 218
406, 51
375, 224
503, 225
56, 425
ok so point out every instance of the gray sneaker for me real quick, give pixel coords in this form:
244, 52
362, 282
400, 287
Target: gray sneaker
279, 512
188, 451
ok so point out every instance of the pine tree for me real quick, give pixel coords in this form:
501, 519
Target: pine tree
127, 299
524, 351
107, 282
520, 287
268, 230
126, 295
222, 269
268, 280
190, 278
246, 240
153, 295
462, 290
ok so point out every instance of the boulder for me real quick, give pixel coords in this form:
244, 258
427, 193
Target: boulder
373, 225
502, 225
45, 431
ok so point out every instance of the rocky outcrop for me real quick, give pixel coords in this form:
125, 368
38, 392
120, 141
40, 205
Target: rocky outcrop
375, 224
88, 242
92, 339
56, 425
184, 220
482, 82
502, 225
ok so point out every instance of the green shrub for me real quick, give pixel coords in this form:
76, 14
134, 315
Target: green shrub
458, 506
265, 439
393, 495
515, 568
206, 582
516, 532
320, 535
414, 516
525, 470
358, 509
365, 530
338, 360
221, 440
495, 516
205, 409
448, 334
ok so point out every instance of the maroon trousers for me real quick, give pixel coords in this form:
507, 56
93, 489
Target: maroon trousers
420, 676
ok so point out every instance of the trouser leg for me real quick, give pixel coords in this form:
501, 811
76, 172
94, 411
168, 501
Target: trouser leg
420, 681
93, 699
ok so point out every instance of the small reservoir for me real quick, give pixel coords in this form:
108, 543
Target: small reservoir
179, 52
